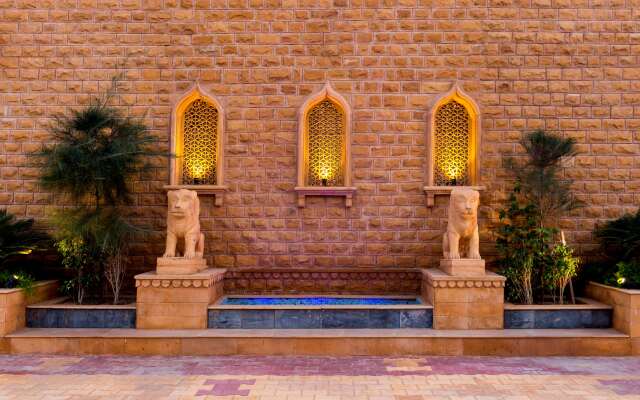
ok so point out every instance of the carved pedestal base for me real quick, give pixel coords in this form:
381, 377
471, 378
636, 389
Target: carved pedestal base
179, 265
464, 302
463, 267
169, 301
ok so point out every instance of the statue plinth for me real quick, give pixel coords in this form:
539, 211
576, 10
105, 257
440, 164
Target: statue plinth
177, 301
463, 267
463, 294
180, 265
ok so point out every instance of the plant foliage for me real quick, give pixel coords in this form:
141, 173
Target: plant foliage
627, 275
561, 268
540, 178
17, 236
523, 246
97, 154
620, 238
528, 257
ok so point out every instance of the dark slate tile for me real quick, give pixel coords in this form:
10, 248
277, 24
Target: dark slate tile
550, 319
298, 319
519, 319
257, 319
601, 319
384, 319
416, 318
95, 318
557, 319
345, 319
224, 319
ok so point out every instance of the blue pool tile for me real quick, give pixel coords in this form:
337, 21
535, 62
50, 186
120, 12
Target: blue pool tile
298, 319
416, 318
318, 300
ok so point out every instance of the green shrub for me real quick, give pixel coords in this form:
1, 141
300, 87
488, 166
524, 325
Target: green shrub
97, 154
620, 238
523, 246
627, 275
529, 224
560, 269
19, 279
17, 237
77, 257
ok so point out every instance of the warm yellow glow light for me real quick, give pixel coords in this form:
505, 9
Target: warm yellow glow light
453, 170
325, 172
198, 169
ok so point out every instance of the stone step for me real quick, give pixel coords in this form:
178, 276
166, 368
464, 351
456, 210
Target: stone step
335, 342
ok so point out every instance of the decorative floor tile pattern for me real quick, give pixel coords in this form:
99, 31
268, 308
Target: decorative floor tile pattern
318, 378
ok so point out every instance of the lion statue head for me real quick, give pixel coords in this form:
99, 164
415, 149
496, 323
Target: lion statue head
183, 204
464, 203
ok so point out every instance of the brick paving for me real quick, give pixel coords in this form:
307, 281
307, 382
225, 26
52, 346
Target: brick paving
317, 378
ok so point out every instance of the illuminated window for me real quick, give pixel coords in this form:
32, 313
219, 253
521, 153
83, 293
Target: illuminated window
324, 131
325, 124
451, 136
196, 142
200, 143
453, 141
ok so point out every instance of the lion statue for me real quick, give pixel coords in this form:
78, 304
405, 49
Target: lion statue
183, 221
462, 225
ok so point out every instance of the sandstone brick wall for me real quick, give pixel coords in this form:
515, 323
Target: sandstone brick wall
567, 65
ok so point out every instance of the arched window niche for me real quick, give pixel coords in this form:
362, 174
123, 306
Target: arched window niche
324, 147
197, 139
453, 143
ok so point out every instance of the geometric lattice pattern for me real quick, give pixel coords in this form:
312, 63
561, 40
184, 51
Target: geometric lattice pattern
200, 135
326, 144
451, 156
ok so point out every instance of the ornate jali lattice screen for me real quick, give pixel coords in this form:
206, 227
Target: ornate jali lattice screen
326, 144
200, 137
451, 150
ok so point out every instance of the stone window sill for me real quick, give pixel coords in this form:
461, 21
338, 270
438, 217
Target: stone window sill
432, 191
203, 190
344, 191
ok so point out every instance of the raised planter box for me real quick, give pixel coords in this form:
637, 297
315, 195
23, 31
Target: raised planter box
589, 314
53, 314
14, 301
626, 307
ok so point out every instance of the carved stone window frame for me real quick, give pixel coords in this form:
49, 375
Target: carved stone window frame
454, 94
303, 189
177, 145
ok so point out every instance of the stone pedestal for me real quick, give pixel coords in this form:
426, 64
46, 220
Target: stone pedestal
179, 265
464, 302
463, 267
170, 301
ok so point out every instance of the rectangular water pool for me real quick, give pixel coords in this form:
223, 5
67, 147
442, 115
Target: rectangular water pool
320, 312
319, 301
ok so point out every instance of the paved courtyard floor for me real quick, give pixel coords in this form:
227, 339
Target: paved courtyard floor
317, 378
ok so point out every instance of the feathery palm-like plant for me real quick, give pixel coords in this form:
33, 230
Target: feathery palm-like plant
97, 153
540, 179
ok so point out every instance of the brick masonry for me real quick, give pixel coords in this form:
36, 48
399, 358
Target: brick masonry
567, 65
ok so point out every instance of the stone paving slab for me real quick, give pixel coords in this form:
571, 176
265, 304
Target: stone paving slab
318, 378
